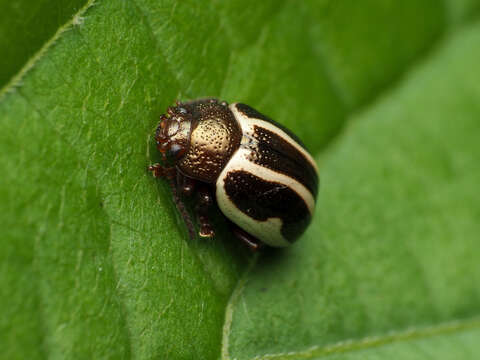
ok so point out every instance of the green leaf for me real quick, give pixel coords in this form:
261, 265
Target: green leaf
96, 261
25, 26
395, 243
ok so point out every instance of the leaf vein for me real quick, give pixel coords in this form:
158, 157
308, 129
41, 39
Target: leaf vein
16, 80
234, 298
61, 136
394, 336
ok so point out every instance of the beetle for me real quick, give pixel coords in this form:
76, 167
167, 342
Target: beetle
258, 172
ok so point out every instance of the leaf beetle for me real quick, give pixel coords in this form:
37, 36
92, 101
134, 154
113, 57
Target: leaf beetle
258, 172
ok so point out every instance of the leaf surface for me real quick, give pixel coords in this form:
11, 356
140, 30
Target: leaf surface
25, 26
97, 262
385, 253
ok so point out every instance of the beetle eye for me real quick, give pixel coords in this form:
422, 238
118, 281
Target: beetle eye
175, 151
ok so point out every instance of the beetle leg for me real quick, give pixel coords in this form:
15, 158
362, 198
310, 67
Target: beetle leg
185, 184
159, 170
205, 201
253, 243
172, 176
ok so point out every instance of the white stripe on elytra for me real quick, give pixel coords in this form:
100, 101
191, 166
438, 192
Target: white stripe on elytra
239, 161
268, 231
247, 125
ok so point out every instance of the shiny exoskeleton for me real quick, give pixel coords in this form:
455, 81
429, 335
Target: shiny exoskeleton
258, 173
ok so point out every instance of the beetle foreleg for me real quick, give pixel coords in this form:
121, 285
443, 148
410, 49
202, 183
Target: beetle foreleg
159, 171
171, 174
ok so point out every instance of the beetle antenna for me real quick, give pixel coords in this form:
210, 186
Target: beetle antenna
181, 208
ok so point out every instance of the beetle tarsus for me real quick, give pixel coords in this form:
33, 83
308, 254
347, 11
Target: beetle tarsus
206, 230
160, 171
156, 169
252, 243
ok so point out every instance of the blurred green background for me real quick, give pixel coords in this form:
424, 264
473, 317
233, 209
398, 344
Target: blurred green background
95, 261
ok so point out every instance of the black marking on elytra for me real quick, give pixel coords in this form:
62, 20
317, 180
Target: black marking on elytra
261, 200
273, 152
252, 113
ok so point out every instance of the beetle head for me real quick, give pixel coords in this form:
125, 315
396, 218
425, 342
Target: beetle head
173, 133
